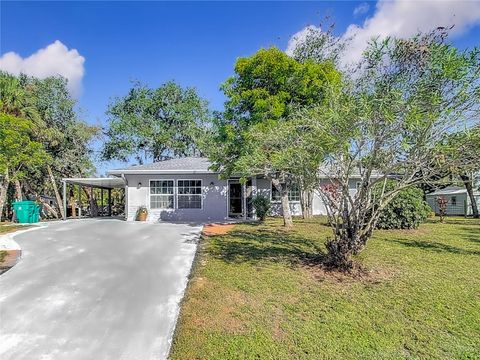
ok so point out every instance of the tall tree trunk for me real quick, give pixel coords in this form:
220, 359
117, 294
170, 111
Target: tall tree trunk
468, 181
287, 216
3, 191
72, 202
57, 194
283, 189
18, 190
92, 201
306, 200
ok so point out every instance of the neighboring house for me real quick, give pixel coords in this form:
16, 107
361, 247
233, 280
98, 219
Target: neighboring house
185, 189
458, 201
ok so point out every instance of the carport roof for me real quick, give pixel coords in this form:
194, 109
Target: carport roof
107, 183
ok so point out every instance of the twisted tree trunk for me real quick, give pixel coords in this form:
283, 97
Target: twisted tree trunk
473, 202
3, 191
18, 190
283, 190
306, 200
57, 194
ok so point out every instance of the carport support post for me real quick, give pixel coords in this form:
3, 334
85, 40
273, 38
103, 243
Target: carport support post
91, 201
64, 183
109, 202
101, 200
79, 201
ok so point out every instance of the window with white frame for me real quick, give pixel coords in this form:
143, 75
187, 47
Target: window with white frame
161, 194
189, 194
293, 193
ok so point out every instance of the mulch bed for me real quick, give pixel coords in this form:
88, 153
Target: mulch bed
217, 229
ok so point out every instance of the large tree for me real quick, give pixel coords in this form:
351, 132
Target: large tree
265, 92
155, 124
18, 152
408, 95
66, 139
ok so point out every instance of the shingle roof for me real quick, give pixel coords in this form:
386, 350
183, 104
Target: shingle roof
186, 164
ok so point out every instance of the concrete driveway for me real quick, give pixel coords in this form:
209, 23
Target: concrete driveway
95, 289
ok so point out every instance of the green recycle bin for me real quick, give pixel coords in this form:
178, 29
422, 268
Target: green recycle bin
27, 212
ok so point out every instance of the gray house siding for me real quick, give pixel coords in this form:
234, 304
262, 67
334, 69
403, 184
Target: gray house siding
264, 187
214, 195
214, 205
458, 204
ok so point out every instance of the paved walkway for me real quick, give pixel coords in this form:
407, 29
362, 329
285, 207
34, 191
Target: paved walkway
95, 289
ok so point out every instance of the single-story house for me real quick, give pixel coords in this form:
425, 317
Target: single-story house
186, 189
458, 201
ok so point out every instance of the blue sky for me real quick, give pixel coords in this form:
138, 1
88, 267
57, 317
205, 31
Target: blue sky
195, 43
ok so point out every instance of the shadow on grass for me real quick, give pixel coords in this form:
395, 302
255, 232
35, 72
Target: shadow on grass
455, 221
434, 246
471, 233
266, 245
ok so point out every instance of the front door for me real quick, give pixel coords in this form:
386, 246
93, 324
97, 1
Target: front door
235, 199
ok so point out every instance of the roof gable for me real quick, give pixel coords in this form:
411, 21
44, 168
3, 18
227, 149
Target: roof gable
179, 165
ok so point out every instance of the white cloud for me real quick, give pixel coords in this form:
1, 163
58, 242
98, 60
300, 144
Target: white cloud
403, 18
361, 9
55, 59
300, 37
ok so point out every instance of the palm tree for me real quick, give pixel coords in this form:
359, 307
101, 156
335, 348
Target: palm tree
15, 99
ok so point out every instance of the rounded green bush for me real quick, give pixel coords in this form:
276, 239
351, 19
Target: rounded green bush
406, 211
261, 205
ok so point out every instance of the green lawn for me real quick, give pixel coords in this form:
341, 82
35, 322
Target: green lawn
9, 227
254, 295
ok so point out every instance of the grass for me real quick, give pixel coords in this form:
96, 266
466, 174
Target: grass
254, 295
10, 227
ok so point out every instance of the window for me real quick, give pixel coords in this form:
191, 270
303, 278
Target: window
189, 194
454, 201
293, 193
161, 194
359, 185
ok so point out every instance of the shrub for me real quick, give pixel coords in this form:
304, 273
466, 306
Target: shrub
442, 207
406, 211
261, 204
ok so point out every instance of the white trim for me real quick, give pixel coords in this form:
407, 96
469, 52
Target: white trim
201, 194
280, 201
149, 195
186, 171
235, 181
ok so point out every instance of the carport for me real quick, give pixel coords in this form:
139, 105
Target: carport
104, 184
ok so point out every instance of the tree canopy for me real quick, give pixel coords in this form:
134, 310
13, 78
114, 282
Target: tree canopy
409, 94
155, 124
256, 134
43, 112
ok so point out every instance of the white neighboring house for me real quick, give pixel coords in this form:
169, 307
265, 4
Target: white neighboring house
185, 189
458, 200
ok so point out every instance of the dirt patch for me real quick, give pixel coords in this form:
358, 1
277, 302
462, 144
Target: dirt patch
8, 258
217, 229
358, 273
